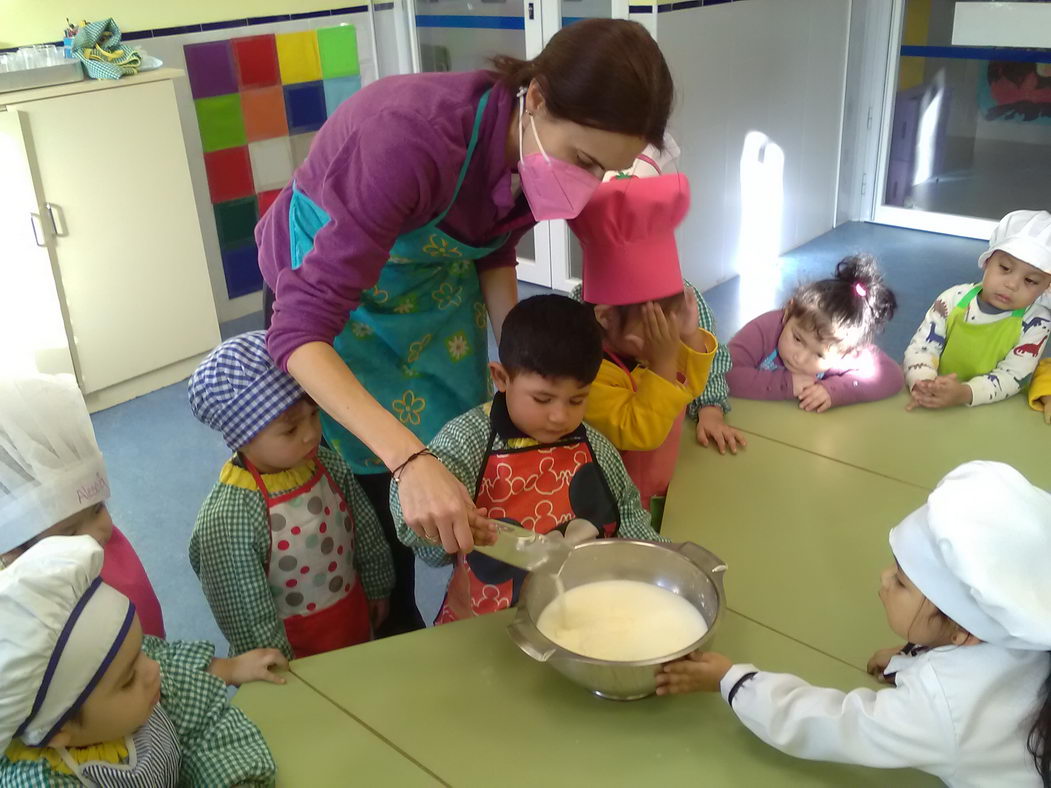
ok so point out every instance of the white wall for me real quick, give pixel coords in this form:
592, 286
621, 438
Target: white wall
771, 66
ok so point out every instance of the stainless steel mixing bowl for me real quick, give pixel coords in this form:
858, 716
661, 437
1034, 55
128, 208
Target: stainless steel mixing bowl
685, 569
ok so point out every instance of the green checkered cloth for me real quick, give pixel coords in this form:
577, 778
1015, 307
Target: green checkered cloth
220, 745
716, 392
97, 45
461, 446
229, 548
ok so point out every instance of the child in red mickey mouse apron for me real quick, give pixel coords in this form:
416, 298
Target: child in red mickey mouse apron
288, 549
528, 456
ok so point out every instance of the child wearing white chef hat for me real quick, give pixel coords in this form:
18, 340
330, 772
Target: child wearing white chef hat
86, 699
971, 591
53, 482
979, 343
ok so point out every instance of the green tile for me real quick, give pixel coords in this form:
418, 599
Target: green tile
235, 220
221, 122
339, 51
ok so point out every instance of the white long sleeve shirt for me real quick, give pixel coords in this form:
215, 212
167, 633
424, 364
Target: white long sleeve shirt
1008, 377
962, 714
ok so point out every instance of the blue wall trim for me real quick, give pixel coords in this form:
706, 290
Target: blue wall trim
471, 22
979, 53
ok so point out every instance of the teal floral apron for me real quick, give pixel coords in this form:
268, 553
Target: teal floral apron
418, 341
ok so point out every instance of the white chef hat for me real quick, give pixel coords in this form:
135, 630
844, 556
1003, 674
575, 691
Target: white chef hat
653, 161
50, 464
62, 627
979, 550
1024, 234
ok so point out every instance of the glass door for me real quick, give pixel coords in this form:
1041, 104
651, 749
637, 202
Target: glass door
968, 108
461, 35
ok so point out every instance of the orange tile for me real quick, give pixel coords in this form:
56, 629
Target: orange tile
264, 113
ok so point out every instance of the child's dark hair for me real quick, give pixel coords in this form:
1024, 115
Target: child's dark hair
1040, 736
553, 336
848, 309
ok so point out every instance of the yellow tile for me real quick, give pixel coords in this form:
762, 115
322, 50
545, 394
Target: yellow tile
297, 54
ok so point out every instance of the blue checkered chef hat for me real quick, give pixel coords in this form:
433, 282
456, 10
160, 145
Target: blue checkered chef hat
238, 390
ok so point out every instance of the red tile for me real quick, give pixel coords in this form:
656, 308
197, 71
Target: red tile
255, 58
229, 174
266, 199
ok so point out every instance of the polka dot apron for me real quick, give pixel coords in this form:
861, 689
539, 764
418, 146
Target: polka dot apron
310, 568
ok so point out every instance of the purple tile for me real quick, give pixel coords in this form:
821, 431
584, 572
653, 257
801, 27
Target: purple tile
211, 69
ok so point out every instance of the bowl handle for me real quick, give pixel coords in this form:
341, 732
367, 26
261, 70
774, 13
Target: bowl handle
528, 638
703, 559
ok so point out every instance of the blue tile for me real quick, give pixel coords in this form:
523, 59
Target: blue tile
267, 20
305, 106
354, 9
339, 89
135, 35
224, 25
310, 15
241, 268
180, 30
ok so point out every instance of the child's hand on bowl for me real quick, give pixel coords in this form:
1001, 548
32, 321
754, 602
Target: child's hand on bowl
701, 671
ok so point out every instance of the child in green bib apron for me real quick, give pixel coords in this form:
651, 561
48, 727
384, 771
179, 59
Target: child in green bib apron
979, 343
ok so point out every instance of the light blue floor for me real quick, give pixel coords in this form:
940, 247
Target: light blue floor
162, 462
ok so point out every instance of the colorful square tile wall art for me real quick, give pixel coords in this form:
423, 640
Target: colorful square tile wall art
260, 100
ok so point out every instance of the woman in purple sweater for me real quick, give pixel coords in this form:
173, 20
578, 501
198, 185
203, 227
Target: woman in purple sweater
396, 241
818, 349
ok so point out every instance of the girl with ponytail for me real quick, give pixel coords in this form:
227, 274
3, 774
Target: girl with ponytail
818, 349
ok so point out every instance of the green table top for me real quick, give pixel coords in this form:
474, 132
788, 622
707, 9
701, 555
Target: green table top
316, 743
804, 537
463, 701
918, 447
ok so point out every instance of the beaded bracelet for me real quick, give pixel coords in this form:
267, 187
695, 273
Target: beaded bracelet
397, 472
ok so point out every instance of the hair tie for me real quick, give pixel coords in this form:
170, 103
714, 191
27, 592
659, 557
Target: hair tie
860, 289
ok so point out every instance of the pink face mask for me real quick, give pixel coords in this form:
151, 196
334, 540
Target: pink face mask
554, 189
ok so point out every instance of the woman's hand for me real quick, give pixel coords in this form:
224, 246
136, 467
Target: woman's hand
700, 671
437, 506
251, 666
712, 428
1046, 402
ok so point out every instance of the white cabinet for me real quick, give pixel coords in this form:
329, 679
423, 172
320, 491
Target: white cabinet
114, 219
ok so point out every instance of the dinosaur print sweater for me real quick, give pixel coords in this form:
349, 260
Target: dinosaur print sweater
1007, 378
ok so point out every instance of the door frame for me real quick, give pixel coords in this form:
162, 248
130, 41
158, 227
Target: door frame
879, 213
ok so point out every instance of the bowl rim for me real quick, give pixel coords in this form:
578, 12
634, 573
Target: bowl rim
522, 615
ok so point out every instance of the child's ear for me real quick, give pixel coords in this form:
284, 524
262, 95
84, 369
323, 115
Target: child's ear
500, 376
604, 316
961, 637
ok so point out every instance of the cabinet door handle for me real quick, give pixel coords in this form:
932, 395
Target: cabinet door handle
51, 208
33, 220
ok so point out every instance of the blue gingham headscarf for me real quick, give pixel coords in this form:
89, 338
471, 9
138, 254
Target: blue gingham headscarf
238, 390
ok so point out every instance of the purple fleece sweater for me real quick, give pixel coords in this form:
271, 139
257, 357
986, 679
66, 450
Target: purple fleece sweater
386, 162
872, 374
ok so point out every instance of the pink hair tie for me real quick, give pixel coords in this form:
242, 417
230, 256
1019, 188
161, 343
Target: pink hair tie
860, 289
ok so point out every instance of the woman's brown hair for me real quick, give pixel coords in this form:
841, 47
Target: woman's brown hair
608, 74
